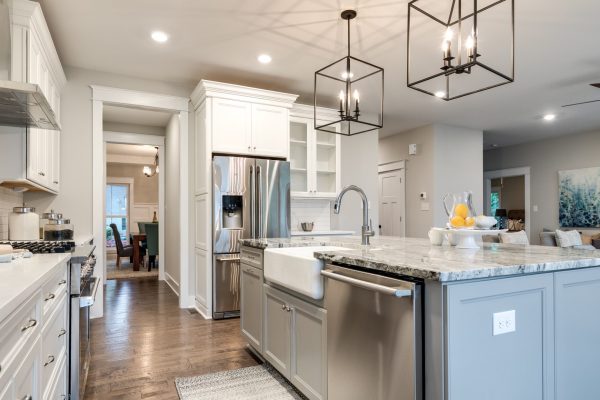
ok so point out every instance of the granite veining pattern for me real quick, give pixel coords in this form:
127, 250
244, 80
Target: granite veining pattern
419, 259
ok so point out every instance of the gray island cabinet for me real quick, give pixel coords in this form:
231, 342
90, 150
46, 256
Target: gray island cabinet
502, 322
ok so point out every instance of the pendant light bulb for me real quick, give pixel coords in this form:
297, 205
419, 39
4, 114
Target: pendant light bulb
341, 96
356, 96
448, 35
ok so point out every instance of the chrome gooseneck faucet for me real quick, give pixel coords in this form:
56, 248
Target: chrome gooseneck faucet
367, 230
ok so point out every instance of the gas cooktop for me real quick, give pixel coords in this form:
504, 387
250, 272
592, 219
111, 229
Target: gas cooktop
41, 246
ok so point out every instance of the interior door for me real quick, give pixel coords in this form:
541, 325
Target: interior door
391, 203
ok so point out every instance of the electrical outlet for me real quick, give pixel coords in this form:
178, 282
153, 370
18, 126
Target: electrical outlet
505, 322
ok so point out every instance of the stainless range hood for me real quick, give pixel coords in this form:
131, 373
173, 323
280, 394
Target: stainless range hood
21, 104
24, 104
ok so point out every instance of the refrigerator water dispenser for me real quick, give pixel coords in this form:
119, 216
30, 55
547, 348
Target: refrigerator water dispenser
232, 212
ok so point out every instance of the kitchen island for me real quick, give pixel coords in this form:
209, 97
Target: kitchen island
501, 322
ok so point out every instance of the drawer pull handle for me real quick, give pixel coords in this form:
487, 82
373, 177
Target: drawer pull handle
41, 174
27, 397
50, 361
62, 282
30, 324
50, 297
62, 332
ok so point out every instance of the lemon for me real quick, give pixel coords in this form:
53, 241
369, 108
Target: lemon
461, 210
457, 222
469, 221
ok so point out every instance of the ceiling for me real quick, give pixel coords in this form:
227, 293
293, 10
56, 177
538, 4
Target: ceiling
135, 116
556, 55
130, 150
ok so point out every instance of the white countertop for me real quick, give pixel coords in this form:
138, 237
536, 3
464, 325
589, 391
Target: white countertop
20, 278
83, 239
322, 233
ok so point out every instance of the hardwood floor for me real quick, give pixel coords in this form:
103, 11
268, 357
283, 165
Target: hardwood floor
145, 341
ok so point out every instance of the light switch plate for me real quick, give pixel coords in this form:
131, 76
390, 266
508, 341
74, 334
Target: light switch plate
412, 149
505, 322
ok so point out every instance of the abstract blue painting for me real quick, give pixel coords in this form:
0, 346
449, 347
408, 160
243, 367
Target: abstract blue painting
579, 198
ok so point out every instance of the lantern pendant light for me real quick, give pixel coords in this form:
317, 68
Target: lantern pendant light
464, 66
356, 86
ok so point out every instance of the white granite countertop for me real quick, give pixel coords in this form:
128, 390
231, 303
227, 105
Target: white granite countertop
419, 259
20, 278
323, 233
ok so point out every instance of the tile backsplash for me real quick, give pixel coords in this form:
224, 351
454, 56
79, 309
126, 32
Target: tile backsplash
8, 200
311, 210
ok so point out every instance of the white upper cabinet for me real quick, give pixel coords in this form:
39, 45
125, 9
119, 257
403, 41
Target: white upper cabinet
315, 156
231, 126
270, 130
241, 121
34, 160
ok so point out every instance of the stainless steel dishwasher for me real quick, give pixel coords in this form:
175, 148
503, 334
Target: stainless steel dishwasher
374, 343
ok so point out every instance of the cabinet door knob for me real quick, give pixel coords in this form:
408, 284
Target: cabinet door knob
249, 148
62, 332
50, 297
50, 361
56, 182
30, 324
288, 308
283, 307
27, 397
254, 148
41, 174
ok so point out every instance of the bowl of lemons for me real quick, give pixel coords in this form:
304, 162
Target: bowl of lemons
461, 217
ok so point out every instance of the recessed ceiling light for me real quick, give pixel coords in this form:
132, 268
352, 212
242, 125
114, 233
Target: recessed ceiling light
440, 94
264, 59
549, 117
159, 36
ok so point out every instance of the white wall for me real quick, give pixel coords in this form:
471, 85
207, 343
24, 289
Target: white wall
359, 155
458, 166
546, 158
448, 160
419, 174
172, 212
75, 197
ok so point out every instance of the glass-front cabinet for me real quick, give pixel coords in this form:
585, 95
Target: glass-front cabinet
314, 157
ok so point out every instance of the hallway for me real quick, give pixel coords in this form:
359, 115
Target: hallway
145, 341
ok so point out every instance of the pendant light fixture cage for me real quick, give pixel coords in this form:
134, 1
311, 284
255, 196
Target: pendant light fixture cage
460, 47
355, 87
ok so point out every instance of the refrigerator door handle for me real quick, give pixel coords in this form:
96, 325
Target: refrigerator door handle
260, 195
252, 203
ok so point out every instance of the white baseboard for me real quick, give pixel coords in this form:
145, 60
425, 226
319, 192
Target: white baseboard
172, 283
202, 310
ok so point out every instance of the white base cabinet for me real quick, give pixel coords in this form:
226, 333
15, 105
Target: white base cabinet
295, 341
33, 347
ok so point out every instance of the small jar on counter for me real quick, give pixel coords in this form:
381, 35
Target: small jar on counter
58, 229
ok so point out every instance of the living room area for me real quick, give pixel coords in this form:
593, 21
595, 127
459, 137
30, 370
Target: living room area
561, 185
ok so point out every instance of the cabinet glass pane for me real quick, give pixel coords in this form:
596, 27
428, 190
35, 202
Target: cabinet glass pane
299, 156
326, 162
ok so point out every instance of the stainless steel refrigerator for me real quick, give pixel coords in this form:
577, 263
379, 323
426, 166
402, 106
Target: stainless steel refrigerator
251, 199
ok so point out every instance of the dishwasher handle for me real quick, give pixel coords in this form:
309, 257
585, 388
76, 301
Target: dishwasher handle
391, 291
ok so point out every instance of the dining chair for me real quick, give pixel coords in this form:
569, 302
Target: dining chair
151, 244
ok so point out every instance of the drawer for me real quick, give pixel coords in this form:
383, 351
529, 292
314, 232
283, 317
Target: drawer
53, 288
18, 331
251, 256
54, 340
26, 378
57, 389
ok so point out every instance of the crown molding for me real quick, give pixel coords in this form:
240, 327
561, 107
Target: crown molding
236, 92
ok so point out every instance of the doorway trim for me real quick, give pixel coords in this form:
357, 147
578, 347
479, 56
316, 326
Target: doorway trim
151, 101
507, 173
389, 167
151, 140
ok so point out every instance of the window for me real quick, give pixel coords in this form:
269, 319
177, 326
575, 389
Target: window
117, 212
494, 202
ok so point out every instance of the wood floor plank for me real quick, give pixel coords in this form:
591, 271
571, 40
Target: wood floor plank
145, 341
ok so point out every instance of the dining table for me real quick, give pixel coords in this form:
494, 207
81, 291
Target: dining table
137, 239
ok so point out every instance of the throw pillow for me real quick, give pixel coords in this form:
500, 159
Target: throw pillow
586, 239
514, 237
568, 238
